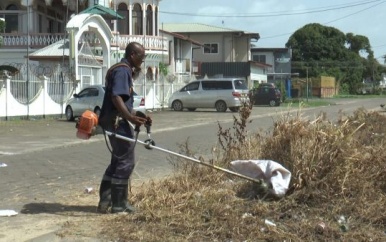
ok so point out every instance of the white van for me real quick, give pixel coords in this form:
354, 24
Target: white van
220, 94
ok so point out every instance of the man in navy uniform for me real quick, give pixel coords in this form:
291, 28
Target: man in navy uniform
116, 113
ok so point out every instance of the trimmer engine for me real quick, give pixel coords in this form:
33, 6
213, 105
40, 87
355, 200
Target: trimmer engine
87, 125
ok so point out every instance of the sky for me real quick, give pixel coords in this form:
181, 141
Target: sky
276, 20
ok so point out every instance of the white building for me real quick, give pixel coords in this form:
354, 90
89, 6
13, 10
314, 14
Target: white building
64, 45
61, 46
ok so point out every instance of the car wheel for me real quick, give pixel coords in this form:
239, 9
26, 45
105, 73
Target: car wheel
97, 111
272, 103
221, 106
191, 109
177, 105
69, 114
234, 109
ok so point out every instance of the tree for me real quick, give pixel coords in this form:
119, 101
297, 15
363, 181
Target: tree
2, 26
163, 69
317, 42
358, 43
323, 50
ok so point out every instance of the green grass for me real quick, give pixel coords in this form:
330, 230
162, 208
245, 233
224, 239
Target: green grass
360, 96
309, 103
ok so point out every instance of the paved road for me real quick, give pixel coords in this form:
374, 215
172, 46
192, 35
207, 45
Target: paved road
45, 159
47, 151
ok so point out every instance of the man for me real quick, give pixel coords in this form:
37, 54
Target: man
117, 110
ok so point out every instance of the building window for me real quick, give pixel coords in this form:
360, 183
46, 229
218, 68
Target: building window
137, 19
156, 21
260, 58
40, 23
51, 25
11, 20
123, 24
210, 48
149, 20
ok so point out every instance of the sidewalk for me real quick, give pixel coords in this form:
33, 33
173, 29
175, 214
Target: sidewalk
17, 137
46, 173
23, 136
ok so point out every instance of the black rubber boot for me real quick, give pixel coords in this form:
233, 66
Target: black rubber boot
119, 193
104, 196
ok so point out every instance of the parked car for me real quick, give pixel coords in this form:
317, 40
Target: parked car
265, 95
267, 84
220, 94
91, 98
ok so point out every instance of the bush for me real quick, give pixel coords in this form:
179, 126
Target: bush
337, 191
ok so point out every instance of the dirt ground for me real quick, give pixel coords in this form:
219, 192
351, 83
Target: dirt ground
74, 218
39, 221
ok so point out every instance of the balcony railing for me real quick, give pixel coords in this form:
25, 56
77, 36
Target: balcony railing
149, 42
17, 41
20, 41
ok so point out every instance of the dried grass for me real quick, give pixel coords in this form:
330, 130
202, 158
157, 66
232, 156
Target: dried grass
338, 169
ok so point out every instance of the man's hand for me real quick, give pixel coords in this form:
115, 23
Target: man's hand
136, 120
122, 109
149, 121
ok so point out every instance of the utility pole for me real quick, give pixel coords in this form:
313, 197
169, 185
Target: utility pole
116, 32
28, 42
307, 83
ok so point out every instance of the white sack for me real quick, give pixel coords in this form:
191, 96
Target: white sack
270, 171
7, 213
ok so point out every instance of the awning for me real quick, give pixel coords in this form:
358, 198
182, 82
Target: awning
106, 13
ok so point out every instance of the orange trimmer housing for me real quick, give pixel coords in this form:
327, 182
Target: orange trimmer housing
86, 125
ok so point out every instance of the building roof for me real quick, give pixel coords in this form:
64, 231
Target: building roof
55, 50
270, 49
183, 37
259, 64
106, 13
201, 28
194, 28
58, 50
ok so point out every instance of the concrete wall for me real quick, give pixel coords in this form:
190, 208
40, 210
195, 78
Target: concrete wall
42, 105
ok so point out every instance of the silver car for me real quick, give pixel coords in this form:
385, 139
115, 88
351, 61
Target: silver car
220, 94
91, 98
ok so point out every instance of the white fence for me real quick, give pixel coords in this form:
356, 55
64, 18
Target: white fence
20, 98
47, 96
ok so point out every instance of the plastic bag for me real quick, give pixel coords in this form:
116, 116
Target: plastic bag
269, 171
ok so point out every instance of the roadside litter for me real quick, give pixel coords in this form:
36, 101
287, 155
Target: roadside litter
88, 190
270, 223
7, 213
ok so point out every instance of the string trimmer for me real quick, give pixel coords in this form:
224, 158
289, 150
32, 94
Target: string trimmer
88, 122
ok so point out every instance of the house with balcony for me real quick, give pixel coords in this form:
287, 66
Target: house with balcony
180, 62
279, 61
34, 24
65, 45
225, 52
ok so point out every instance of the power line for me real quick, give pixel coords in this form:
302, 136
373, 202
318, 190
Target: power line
377, 46
349, 15
275, 14
355, 13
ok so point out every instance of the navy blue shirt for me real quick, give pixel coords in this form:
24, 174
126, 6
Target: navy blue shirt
119, 82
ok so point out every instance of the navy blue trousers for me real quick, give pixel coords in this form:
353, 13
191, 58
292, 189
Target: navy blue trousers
122, 158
